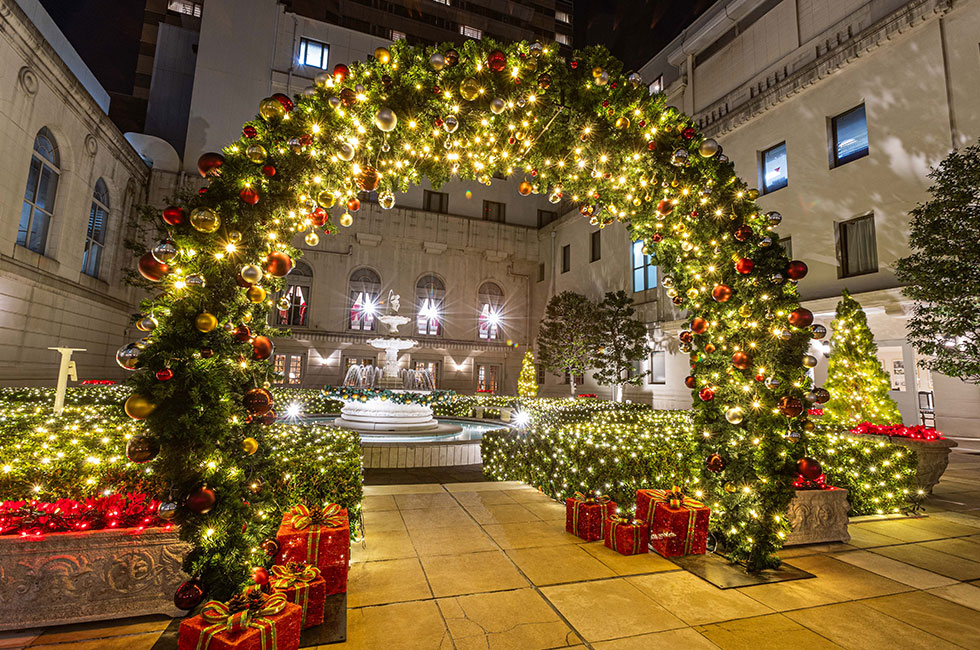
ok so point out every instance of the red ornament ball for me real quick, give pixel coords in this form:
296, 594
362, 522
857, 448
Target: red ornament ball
699, 325
318, 216
686, 337
209, 164
249, 195
201, 500
278, 264
285, 100
809, 468
260, 575
151, 269
269, 170
258, 401
497, 61
354, 205
796, 270
165, 374
261, 348
267, 418
188, 595
741, 360
743, 232
691, 382
722, 293
800, 317
249, 131
340, 71
744, 266
706, 394
173, 215
664, 206
242, 333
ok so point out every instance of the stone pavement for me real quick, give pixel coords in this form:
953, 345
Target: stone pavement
488, 566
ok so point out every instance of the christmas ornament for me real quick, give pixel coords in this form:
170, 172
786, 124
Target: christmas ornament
735, 415
497, 105
268, 170
201, 500
602, 79
142, 448
796, 270
165, 251
267, 418
450, 124
346, 220
242, 333
256, 153
255, 294
635, 79
381, 55
368, 179
173, 215
250, 446
257, 401
791, 407
743, 232
345, 152
249, 131
188, 595
774, 218
722, 293
469, 88
255, 486
801, 317
622, 123
205, 322
164, 374
278, 264
437, 61
340, 72
249, 195
167, 510
354, 204
679, 157
206, 353
524, 188
544, 81
262, 348
497, 61
128, 356
741, 360
708, 148
818, 331
706, 394
665, 207
809, 361
386, 119
809, 468
147, 324
151, 269
138, 407
251, 273
209, 164
194, 280
744, 265
386, 200
260, 575
452, 57
699, 325
822, 395
690, 382
715, 463
205, 220
311, 239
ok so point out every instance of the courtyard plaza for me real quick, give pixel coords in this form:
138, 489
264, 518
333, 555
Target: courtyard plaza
488, 565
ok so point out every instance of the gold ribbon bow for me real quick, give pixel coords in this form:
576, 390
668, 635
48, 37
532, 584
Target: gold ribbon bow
602, 498
224, 618
289, 575
301, 516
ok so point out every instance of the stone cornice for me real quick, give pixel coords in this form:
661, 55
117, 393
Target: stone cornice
424, 343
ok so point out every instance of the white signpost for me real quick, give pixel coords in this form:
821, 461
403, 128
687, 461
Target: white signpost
65, 370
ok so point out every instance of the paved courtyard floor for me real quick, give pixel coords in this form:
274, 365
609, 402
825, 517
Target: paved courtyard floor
479, 565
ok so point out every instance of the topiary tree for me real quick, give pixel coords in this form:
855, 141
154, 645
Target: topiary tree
942, 274
857, 383
567, 338
527, 382
622, 341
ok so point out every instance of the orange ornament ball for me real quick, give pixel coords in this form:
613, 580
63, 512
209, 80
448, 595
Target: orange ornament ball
699, 325
258, 401
354, 205
151, 269
278, 264
741, 360
722, 293
262, 348
524, 188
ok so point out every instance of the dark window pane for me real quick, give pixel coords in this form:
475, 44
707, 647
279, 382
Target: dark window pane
774, 171
850, 135
32, 179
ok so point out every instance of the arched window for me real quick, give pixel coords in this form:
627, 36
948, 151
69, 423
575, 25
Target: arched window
491, 300
430, 294
98, 215
42, 187
365, 286
295, 297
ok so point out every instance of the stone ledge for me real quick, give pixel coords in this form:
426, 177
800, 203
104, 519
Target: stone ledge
818, 516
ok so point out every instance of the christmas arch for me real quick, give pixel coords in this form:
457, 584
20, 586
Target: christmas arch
579, 130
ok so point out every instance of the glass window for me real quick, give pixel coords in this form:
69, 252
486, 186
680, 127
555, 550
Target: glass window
850, 133
430, 295
856, 246
563, 17
644, 269
293, 304
434, 367
545, 217
42, 188
579, 379
657, 85
596, 246
365, 287
185, 7
775, 175
491, 299
562, 39
539, 374
494, 211
435, 201
95, 236
787, 244
658, 367
566, 258
288, 369
487, 377
470, 32
397, 35
313, 53
541, 272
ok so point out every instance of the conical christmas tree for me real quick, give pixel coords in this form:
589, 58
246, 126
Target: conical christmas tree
857, 383
527, 383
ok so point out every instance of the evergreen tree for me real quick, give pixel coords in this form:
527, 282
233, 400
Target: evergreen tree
857, 383
943, 272
623, 341
567, 338
527, 383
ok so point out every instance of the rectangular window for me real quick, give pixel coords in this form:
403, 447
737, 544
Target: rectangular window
435, 201
364, 308
562, 39
313, 53
434, 367
541, 272
857, 250
539, 374
442, 2
658, 367
470, 32
850, 136
94, 239
657, 86
787, 244
775, 174
487, 377
351, 361
595, 246
185, 7
545, 217
566, 258
563, 17
644, 269
397, 35
579, 379
289, 369
494, 211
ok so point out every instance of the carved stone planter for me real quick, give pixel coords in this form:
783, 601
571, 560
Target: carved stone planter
818, 516
97, 575
932, 455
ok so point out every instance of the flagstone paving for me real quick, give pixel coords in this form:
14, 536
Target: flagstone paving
488, 566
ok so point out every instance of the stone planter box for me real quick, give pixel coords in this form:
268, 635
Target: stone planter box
818, 516
90, 576
932, 455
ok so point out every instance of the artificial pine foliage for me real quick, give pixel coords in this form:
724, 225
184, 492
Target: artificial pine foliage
527, 383
942, 274
568, 336
857, 383
622, 340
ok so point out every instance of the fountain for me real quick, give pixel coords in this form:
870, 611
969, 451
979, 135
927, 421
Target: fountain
390, 399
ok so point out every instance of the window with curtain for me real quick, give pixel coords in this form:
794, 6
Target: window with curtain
658, 367
365, 287
42, 188
289, 369
435, 367
775, 174
644, 269
491, 299
850, 133
857, 249
430, 294
297, 294
313, 53
98, 217
487, 377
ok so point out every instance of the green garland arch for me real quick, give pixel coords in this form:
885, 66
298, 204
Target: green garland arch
579, 130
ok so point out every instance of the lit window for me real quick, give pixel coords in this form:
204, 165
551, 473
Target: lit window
487, 377
658, 367
775, 175
313, 53
857, 249
850, 133
42, 187
430, 294
365, 287
95, 236
657, 86
562, 39
299, 288
644, 269
491, 300
563, 17
185, 7
441, 2
397, 35
288, 369
470, 32
434, 367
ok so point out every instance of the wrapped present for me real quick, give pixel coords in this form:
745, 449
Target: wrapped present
584, 515
625, 535
678, 524
251, 620
319, 537
303, 585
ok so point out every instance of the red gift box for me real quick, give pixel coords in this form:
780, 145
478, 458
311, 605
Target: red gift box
584, 515
678, 524
626, 536
318, 537
303, 585
249, 621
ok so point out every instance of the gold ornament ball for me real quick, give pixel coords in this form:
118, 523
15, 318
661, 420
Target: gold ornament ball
602, 79
251, 273
346, 220
205, 322
735, 415
386, 200
138, 407
257, 153
250, 446
752, 194
469, 89
255, 294
271, 109
497, 105
346, 152
382, 55
247, 317
596, 71
524, 188
147, 324
283, 304
708, 148
234, 237
205, 219
623, 123
385, 119
692, 293
437, 61
326, 199
311, 239
809, 361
